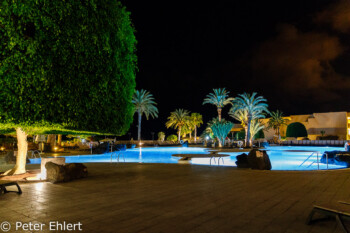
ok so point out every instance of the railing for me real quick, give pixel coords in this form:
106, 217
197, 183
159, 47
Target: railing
317, 160
33, 154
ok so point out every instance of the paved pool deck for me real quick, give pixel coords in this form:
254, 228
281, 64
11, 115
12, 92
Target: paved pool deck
180, 198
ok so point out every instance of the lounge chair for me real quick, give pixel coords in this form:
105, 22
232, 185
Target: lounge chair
6, 183
340, 211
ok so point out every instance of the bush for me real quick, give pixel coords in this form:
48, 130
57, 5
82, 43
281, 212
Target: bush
296, 130
172, 138
161, 136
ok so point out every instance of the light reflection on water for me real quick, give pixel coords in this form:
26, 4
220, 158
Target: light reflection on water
282, 158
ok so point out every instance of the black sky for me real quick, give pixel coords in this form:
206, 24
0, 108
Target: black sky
187, 48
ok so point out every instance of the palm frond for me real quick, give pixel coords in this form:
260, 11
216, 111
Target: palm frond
221, 129
177, 119
219, 98
144, 103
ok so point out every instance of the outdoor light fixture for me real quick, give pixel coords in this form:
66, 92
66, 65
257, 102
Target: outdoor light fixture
55, 148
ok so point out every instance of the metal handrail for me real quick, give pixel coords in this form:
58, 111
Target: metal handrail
33, 154
318, 164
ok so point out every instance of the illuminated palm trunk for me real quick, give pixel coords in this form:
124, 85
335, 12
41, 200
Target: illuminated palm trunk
139, 128
179, 135
246, 135
248, 131
219, 113
21, 159
195, 134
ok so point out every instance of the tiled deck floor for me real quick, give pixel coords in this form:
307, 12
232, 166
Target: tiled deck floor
181, 198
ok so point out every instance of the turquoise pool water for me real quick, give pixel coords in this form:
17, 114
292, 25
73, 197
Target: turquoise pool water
282, 157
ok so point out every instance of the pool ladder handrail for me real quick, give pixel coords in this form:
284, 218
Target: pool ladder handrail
318, 163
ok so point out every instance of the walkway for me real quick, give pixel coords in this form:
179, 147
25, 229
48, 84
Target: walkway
181, 198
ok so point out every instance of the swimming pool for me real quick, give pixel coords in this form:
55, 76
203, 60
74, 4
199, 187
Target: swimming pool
282, 157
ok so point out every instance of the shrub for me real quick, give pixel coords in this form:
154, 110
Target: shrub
172, 138
296, 129
161, 136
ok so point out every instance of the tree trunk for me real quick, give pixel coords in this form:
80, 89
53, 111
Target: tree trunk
139, 128
179, 135
246, 136
21, 159
195, 134
51, 138
219, 113
59, 139
221, 142
278, 134
248, 133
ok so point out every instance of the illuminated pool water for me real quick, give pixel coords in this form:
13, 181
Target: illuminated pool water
282, 157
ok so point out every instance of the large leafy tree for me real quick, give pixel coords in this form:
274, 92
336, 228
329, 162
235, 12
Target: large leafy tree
177, 120
219, 98
196, 120
65, 67
254, 106
144, 105
276, 121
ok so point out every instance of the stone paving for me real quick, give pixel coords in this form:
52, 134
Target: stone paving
180, 198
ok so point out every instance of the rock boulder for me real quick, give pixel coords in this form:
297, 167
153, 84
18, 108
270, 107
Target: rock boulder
242, 161
259, 159
56, 173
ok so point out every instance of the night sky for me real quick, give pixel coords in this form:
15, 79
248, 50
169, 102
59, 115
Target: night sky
295, 53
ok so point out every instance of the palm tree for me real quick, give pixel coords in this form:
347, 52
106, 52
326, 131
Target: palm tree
177, 120
255, 127
241, 116
144, 104
220, 130
196, 120
255, 107
219, 98
276, 121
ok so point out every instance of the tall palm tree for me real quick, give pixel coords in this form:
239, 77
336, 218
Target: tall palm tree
255, 107
196, 120
219, 98
177, 120
144, 104
276, 121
